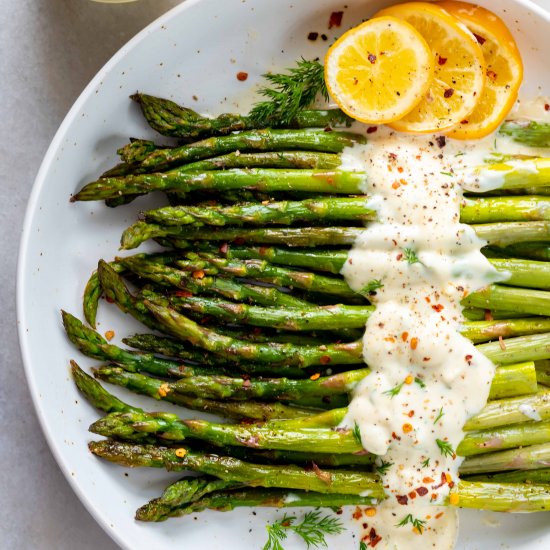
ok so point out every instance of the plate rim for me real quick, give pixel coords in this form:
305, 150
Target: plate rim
23, 250
32, 205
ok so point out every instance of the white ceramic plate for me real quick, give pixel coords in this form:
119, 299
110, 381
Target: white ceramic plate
192, 54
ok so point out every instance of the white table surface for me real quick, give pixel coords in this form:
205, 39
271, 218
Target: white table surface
50, 51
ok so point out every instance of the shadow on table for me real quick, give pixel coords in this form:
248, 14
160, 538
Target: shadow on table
76, 37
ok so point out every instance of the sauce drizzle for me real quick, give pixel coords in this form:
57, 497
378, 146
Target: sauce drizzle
426, 379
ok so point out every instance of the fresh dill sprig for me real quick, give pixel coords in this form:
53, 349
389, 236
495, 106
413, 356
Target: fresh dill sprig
384, 467
426, 463
362, 545
410, 256
291, 92
312, 530
440, 415
415, 522
372, 286
445, 447
420, 382
394, 391
357, 433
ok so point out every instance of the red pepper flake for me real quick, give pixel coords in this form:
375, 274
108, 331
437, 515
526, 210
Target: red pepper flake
448, 93
404, 336
224, 248
480, 39
164, 390
488, 315
422, 491
399, 257
546, 107
372, 129
285, 523
313, 36
468, 359
395, 185
242, 76
358, 513
400, 169
492, 75
181, 452
443, 481
246, 383
325, 359
372, 58
402, 499
109, 335
199, 274
410, 414
373, 537
437, 307
426, 359
407, 428
465, 121
263, 250
441, 60
437, 516
414, 343
412, 495
335, 19
315, 376
109, 300
501, 343
183, 294
395, 436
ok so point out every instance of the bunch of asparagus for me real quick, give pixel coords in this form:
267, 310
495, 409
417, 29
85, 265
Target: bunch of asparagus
251, 320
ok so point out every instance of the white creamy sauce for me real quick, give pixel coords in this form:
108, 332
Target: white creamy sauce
530, 412
533, 109
426, 379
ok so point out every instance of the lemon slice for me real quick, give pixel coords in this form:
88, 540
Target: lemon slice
379, 71
459, 68
504, 69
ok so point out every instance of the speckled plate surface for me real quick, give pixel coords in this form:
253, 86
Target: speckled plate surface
191, 54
